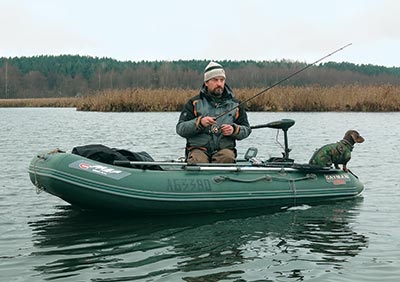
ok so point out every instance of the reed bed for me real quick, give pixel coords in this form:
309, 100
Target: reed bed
136, 100
381, 98
40, 102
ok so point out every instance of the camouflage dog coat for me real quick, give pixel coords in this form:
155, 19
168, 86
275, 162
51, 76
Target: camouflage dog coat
335, 153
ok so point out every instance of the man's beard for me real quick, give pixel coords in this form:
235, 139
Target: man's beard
217, 92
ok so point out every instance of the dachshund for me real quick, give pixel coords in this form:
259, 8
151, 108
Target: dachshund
337, 153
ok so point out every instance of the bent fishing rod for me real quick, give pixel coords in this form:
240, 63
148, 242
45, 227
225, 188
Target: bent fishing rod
281, 81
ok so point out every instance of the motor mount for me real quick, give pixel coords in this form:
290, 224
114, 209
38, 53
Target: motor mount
283, 124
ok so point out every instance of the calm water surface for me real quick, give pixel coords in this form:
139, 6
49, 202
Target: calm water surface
43, 238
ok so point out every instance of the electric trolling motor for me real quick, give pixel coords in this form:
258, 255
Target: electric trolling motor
283, 124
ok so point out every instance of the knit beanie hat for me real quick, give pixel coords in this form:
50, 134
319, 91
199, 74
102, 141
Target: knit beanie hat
212, 70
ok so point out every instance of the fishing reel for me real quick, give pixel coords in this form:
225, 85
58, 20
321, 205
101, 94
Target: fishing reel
215, 129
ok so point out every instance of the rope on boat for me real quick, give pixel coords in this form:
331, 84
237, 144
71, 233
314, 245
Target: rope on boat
39, 188
221, 178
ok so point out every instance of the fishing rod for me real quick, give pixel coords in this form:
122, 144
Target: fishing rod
282, 80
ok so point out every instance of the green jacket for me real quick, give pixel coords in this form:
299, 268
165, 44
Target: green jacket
203, 104
336, 153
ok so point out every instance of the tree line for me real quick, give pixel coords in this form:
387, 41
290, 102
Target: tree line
74, 75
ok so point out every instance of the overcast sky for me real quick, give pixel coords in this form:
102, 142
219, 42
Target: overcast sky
204, 29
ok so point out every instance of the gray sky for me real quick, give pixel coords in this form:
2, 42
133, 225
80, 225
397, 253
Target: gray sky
209, 29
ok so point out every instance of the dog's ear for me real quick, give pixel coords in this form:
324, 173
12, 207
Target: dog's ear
357, 138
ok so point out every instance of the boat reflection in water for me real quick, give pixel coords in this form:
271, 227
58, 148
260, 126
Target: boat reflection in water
297, 243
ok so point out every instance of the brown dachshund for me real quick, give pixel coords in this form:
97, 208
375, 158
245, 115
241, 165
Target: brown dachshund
337, 153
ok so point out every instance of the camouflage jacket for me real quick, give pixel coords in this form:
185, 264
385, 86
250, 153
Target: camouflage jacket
335, 153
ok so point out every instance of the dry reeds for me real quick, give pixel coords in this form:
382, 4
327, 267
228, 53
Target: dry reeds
136, 100
39, 102
381, 98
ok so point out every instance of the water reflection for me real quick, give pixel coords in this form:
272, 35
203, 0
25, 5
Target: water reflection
292, 244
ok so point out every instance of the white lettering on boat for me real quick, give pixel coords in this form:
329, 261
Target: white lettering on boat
337, 179
99, 169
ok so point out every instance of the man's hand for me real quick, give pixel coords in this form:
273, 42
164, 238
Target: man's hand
227, 129
207, 121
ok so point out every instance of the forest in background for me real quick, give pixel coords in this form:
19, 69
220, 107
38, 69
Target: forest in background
76, 76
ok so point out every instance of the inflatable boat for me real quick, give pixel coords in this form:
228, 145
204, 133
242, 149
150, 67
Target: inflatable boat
173, 187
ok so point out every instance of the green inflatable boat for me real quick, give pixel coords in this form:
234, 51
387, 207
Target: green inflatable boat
150, 187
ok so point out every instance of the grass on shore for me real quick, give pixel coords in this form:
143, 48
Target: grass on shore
382, 98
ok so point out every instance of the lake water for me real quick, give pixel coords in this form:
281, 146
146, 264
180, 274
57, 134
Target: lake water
43, 238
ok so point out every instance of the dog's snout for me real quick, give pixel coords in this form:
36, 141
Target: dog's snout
355, 135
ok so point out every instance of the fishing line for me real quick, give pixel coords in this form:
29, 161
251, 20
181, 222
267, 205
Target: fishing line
282, 80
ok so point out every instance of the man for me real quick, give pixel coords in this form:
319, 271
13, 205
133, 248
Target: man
211, 139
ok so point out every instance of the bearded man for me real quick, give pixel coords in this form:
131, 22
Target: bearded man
211, 139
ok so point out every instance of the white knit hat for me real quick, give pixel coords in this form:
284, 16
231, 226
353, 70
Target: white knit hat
212, 70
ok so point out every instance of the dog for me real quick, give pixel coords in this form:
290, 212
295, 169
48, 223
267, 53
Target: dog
337, 153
